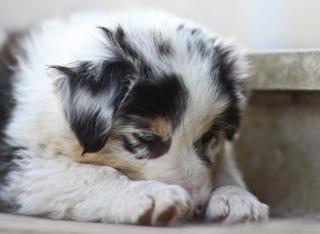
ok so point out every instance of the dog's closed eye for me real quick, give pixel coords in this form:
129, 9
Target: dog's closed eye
145, 145
147, 137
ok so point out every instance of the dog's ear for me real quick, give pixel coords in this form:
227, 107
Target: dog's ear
91, 94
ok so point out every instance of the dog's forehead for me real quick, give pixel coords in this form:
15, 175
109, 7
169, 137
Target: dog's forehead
184, 75
171, 102
162, 100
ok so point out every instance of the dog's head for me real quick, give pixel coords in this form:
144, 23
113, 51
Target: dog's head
158, 105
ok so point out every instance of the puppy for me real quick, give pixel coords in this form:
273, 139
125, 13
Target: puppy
122, 118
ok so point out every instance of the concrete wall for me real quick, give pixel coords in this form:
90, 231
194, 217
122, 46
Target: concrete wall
278, 149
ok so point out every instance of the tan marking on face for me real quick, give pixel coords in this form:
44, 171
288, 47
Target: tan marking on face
161, 127
131, 168
207, 125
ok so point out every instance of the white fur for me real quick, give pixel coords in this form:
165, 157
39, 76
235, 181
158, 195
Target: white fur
54, 185
232, 204
62, 189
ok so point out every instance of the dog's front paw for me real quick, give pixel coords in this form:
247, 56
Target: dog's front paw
232, 204
155, 203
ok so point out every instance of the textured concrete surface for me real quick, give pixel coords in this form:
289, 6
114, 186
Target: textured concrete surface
279, 151
287, 70
27, 225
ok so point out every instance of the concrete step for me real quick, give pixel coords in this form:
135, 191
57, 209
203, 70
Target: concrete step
279, 145
26, 225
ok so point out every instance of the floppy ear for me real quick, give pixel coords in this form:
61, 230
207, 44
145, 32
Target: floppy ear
91, 95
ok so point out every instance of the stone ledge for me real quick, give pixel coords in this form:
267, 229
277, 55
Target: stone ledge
26, 225
285, 70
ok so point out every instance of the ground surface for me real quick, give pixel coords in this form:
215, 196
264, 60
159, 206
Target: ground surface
23, 225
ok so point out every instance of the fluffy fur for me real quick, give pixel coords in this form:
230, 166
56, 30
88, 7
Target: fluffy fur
123, 118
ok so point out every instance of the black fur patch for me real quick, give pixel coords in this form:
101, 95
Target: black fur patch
7, 155
123, 50
165, 48
164, 97
154, 145
7, 62
7, 104
223, 70
163, 45
121, 45
201, 145
91, 125
201, 152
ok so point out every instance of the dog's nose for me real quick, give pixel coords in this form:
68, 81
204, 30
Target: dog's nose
198, 212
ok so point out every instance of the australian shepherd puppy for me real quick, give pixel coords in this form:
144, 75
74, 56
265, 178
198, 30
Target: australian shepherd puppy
122, 118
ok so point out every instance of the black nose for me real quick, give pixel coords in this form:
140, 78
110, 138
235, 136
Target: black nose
198, 212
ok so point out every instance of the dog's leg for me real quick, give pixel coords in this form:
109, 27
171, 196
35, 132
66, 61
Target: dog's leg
60, 188
230, 202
